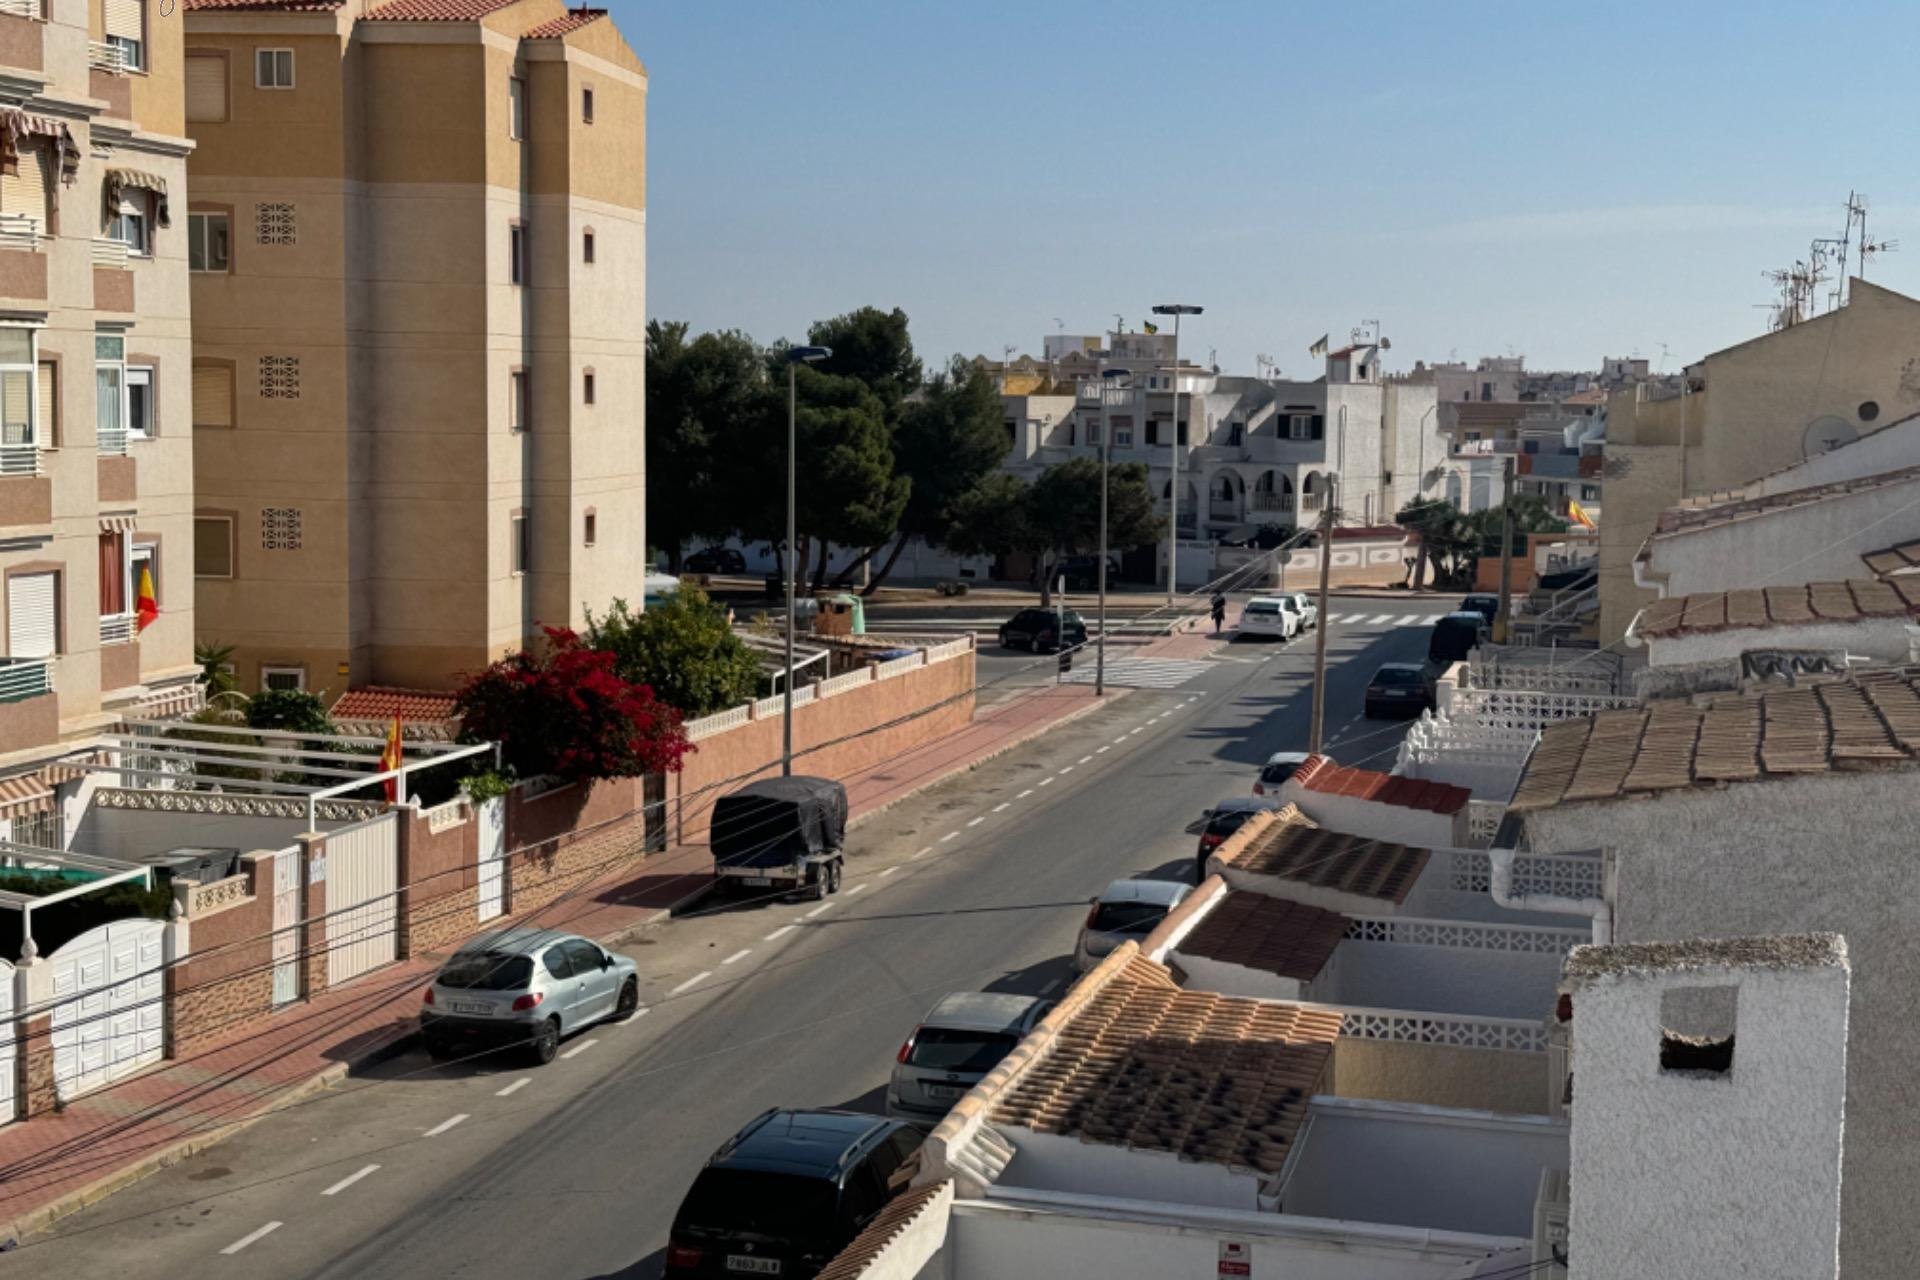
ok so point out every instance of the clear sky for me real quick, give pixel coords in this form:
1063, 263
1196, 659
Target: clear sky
1564, 181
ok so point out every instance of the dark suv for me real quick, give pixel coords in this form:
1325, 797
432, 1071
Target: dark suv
717, 560
1039, 630
787, 1193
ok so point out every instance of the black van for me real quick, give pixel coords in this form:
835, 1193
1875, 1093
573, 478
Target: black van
1454, 636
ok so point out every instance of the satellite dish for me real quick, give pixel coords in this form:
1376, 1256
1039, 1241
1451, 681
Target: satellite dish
1825, 434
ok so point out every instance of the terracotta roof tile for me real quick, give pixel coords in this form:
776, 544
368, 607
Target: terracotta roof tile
1901, 558
1855, 600
1291, 846
1870, 720
435, 10
1272, 934
853, 1261
572, 20
377, 703
1146, 1066
283, 6
1321, 774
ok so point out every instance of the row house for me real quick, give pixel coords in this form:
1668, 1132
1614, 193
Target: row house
1555, 449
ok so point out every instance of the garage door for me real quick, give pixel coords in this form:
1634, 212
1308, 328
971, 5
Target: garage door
109, 1013
6, 1042
362, 876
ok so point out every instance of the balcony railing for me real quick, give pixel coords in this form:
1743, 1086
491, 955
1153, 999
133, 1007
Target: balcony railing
22, 8
117, 629
111, 440
1223, 508
25, 678
102, 56
19, 230
110, 253
1271, 502
19, 459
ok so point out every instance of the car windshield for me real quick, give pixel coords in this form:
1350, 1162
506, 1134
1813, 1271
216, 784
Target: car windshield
487, 971
1073, 619
780, 1205
952, 1049
1229, 821
1278, 773
1396, 675
1128, 917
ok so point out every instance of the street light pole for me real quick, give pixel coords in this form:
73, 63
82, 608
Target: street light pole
1176, 310
1320, 620
796, 356
1109, 378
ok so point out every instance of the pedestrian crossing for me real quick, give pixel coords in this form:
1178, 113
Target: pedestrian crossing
1383, 619
1138, 673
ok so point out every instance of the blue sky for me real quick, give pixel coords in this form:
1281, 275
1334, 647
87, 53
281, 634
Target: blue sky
1570, 182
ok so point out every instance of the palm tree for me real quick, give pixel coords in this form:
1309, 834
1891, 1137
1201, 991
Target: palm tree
216, 668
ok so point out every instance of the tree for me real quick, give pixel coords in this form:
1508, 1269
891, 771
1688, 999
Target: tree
871, 346
1064, 507
288, 710
703, 395
216, 667
950, 437
566, 712
683, 650
990, 519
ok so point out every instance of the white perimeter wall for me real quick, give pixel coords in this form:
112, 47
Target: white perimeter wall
1391, 975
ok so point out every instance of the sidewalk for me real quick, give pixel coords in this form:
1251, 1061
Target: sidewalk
57, 1164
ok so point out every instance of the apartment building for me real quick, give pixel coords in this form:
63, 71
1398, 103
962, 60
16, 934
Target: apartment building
419, 271
96, 457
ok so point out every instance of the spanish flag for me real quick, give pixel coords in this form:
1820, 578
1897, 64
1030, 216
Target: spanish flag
390, 759
1578, 514
1150, 327
147, 606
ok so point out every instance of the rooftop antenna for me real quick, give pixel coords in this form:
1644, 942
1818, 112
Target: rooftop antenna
1665, 351
1119, 323
1869, 249
1059, 324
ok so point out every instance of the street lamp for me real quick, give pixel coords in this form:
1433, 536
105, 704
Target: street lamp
1176, 310
796, 356
1112, 380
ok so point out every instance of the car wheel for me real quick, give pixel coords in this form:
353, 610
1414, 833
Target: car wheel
629, 1000
817, 887
833, 877
546, 1042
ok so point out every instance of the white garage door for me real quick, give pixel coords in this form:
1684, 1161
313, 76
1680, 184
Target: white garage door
109, 1015
362, 876
6, 1042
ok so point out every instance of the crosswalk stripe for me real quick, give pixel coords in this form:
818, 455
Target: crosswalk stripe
1431, 618
1407, 620
1382, 618
1142, 673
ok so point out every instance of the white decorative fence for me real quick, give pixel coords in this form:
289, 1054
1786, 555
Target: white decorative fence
1564, 874
1465, 1031
1528, 710
734, 717
1483, 758
1483, 822
1467, 935
1544, 671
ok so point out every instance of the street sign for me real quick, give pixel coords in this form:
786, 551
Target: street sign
1236, 1258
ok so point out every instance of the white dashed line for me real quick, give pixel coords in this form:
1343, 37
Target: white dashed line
1081, 760
1003, 806
248, 1239
514, 1088
1103, 750
1046, 782
1070, 768
951, 835
692, 982
1122, 738
1024, 794
445, 1125
923, 853
1407, 620
859, 888
977, 821
585, 1045
889, 871
736, 956
1380, 618
348, 1181
817, 910
782, 931
1131, 732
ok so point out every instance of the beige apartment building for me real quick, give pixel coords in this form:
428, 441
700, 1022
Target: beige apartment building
96, 453
419, 295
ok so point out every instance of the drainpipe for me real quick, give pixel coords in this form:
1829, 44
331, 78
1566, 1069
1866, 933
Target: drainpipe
1501, 885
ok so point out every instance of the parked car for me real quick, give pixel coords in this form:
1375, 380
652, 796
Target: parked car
1280, 766
960, 1040
1226, 818
1304, 610
1267, 616
787, 1193
716, 560
1400, 688
1485, 604
780, 835
1126, 910
1083, 572
1039, 630
524, 987
1455, 635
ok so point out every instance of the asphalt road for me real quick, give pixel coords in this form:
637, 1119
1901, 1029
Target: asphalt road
979, 883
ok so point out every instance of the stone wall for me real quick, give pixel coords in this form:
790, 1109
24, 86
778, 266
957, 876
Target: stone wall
438, 874
225, 984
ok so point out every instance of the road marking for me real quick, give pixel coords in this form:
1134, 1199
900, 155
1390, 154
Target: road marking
1407, 620
694, 981
1024, 794
951, 835
1131, 732
1122, 738
1070, 768
923, 853
1050, 988
1002, 807
1046, 782
780, 932
1431, 618
1380, 618
445, 1125
585, 1045
248, 1239
859, 888
889, 871
352, 1178
511, 1089
816, 911
977, 821
738, 955
1081, 760
1103, 750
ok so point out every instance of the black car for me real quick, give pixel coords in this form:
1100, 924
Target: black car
717, 560
1039, 630
1223, 820
1484, 604
1400, 688
1454, 636
787, 1193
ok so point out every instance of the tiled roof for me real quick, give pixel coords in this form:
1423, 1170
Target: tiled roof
1321, 774
282, 6
1903, 558
1145, 1065
1810, 602
1291, 846
376, 703
572, 20
1273, 934
852, 1262
1868, 721
435, 10
1691, 517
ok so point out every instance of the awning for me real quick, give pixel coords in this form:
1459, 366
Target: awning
24, 794
119, 180
16, 124
70, 770
118, 524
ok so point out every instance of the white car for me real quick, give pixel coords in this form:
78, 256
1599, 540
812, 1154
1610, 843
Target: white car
1270, 616
1280, 766
1306, 614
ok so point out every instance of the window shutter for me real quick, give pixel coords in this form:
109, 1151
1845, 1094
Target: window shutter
212, 396
49, 403
16, 406
125, 19
206, 88
1319, 426
26, 191
32, 631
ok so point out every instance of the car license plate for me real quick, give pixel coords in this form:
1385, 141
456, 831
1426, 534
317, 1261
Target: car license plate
478, 1010
945, 1092
756, 880
753, 1266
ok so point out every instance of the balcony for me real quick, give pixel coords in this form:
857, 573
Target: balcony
19, 459
1270, 502
19, 231
102, 56
23, 678
117, 629
112, 280
112, 441
109, 254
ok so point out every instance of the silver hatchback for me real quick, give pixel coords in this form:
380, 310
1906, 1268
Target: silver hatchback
1129, 910
524, 988
959, 1041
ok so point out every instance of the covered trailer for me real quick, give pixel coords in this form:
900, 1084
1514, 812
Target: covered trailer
781, 835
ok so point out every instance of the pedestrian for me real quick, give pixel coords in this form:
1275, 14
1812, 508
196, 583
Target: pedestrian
1219, 611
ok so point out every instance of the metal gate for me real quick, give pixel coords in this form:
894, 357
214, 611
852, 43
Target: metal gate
6, 1042
109, 1013
491, 819
286, 926
362, 879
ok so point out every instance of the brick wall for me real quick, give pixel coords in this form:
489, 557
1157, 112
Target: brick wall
33, 1091
439, 900
563, 838
225, 983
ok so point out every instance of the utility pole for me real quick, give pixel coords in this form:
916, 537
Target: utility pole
1320, 618
1110, 379
796, 356
1502, 622
1176, 310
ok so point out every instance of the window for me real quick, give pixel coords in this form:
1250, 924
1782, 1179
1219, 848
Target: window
24, 192
207, 239
33, 615
592, 534
518, 405
517, 254
1153, 431
18, 399
1093, 431
126, 31
586, 246
47, 430
586, 104
586, 386
1299, 426
283, 679
516, 108
1122, 433
110, 392
272, 68
212, 395
1236, 432
213, 546
1589, 493
206, 88
522, 550
41, 830
115, 600
140, 404
129, 224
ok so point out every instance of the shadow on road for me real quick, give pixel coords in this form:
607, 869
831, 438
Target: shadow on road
647, 1268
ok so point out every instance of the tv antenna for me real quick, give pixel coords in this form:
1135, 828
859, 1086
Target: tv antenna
1059, 324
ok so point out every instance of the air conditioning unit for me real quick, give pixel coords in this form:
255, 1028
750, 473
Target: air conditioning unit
1551, 1208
